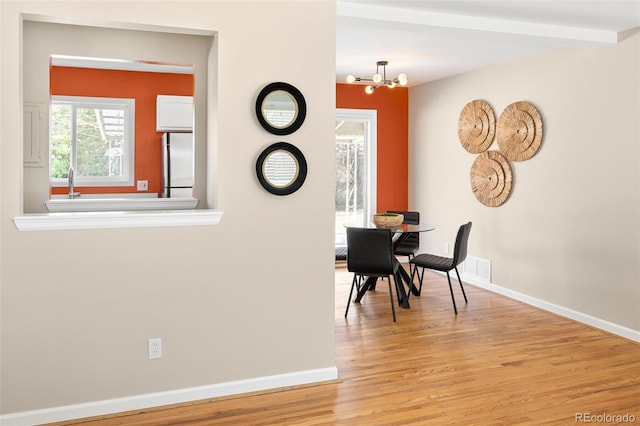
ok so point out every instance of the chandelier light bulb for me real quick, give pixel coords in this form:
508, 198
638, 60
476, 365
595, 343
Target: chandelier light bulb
391, 85
369, 90
402, 79
351, 78
377, 78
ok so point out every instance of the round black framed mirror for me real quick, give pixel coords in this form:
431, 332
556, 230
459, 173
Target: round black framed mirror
281, 168
280, 108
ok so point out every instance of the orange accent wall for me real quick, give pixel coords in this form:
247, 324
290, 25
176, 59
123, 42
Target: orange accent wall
141, 86
393, 139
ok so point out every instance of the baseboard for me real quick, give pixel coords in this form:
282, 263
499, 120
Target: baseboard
556, 309
138, 402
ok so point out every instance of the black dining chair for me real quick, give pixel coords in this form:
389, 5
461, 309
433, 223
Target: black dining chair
445, 264
411, 244
370, 254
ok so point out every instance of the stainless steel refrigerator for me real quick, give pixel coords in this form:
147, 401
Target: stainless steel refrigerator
178, 161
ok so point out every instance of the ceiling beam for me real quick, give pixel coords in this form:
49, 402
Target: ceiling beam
572, 35
119, 64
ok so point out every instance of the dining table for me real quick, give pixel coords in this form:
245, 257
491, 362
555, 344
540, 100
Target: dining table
400, 234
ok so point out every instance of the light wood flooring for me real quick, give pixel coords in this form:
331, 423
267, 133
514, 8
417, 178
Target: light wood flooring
498, 362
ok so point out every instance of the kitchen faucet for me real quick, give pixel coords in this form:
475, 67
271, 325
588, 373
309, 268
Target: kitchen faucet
71, 184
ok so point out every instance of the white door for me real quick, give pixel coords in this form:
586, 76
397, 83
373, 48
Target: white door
355, 169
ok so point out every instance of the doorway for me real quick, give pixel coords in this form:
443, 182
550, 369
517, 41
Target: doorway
355, 198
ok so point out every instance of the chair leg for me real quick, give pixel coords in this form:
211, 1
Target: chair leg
353, 284
453, 299
461, 288
421, 278
393, 308
397, 284
414, 272
410, 282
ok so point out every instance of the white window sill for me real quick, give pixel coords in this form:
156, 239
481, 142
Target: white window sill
116, 219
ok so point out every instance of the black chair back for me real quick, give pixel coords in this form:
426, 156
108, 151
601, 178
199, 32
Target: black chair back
460, 248
411, 243
410, 218
370, 251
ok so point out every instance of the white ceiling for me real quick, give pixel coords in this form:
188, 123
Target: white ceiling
430, 40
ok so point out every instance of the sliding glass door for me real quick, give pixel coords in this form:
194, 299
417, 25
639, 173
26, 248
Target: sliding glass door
355, 169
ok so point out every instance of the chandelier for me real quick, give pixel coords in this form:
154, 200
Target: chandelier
380, 80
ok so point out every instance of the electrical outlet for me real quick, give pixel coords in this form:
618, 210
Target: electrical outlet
446, 248
155, 348
143, 185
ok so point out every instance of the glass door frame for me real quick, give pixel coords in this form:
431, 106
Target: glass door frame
370, 119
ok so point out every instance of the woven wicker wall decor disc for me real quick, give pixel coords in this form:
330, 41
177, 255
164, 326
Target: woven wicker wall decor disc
476, 126
519, 131
491, 178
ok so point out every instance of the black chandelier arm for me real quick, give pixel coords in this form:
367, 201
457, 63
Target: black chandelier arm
363, 79
382, 83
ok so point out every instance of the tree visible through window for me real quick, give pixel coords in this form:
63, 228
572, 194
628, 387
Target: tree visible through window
94, 136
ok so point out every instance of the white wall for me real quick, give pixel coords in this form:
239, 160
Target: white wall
248, 298
569, 233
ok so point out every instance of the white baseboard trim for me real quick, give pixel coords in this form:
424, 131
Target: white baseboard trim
592, 321
138, 402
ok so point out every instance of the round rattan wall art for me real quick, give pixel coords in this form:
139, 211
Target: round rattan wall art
519, 131
476, 126
491, 178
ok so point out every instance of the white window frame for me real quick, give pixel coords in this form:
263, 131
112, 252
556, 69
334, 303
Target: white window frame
128, 106
370, 119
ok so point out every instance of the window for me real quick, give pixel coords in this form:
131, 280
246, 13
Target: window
94, 136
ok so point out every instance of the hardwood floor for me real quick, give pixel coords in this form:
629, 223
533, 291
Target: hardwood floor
498, 362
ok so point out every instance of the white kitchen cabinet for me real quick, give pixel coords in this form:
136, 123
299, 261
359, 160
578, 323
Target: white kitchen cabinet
34, 134
174, 113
